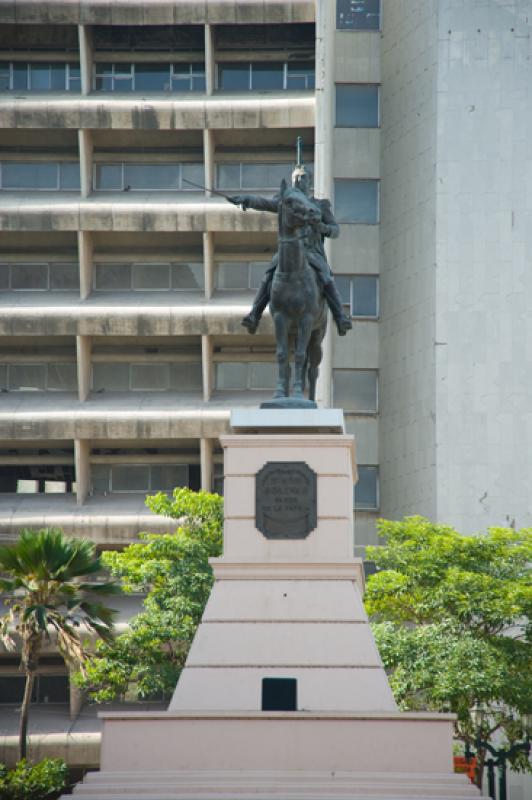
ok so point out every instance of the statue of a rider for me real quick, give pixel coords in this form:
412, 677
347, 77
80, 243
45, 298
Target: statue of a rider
314, 245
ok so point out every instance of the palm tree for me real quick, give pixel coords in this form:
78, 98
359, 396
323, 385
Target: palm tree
46, 597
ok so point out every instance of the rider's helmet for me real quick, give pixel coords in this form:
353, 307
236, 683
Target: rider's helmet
301, 179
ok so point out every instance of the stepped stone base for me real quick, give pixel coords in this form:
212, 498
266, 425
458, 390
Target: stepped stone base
289, 785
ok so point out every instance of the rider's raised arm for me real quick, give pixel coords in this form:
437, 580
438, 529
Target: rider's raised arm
329, 226
256, 202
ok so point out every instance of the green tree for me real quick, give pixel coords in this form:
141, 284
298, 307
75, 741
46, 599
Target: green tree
451, 618
173, 571
45, 596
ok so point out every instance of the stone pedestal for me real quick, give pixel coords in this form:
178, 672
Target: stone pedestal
285, 613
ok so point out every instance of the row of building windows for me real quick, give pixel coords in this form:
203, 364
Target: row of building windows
355, 390
128, 478
356, 200
38, 76
359, 292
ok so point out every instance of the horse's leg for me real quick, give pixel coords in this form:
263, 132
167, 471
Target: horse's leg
314, 355
304, 330
281, 336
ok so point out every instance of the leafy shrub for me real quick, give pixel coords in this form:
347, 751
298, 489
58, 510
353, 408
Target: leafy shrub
42, 781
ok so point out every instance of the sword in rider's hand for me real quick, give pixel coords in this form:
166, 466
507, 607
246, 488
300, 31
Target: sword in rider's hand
212, 191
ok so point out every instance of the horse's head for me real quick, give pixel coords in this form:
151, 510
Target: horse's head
296, 208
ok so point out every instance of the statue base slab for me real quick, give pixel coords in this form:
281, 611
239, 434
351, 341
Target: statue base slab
288, 402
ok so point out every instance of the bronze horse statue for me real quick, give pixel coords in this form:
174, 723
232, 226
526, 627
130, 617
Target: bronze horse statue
297, 305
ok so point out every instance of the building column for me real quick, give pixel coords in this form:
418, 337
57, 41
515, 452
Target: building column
207, 366
210, 64
81, 460
85, 256
206, 462
77, 699
83, 352
208, 263
323, 181
85, 57
85, 161
208, 159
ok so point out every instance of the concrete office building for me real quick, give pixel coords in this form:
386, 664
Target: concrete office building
122, 284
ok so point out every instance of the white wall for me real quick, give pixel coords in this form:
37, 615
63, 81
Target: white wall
408, 254
484, 264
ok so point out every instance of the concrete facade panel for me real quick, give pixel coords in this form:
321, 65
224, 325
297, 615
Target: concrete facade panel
356, 152
359, 349
356, 251
357, 57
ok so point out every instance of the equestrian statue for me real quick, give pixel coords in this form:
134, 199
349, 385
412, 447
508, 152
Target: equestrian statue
297, 284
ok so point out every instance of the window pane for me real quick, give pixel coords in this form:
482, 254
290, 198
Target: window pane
357, 105
343, 284
255, 176
3, 376
4, 277
152, 77
262, 376
267, 76
29, 377
20, 75
113, 377
64, 277
150, 377
69, 175
234, 77
355, 390
194, 173
356, 201
366, 490
198, 83
232, 275
4, 80
187, 276
29, 276
112, 277
18, 175
360, 15
256, 273
165, 477
39, 77
151, 177
62, 377
57, 77
100, 478
186, 377
231, 376
150, 276
53, 689
365, 302
12, 688
229, 176
130, 478
108, 176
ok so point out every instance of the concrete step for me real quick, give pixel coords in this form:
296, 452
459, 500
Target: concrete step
265, 786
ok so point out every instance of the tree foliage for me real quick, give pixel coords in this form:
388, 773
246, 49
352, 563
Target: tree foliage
451, 617
173, 571
40, 781
46, 596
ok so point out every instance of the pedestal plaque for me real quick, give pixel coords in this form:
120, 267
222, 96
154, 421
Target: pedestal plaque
286, 500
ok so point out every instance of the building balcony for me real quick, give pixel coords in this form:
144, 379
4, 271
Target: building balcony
161, 112
112, 521
126, 314
141, 211
121, 415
